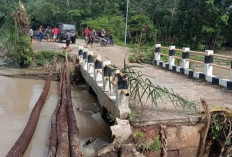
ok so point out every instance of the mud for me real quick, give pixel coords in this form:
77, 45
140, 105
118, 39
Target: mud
18, 96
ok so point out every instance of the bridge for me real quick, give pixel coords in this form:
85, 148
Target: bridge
168, 73
174, 73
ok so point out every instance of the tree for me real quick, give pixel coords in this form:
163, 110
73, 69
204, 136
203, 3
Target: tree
141, 30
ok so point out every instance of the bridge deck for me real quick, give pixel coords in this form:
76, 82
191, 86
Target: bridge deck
189, 88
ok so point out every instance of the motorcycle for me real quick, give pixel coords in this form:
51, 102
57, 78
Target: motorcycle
104, 41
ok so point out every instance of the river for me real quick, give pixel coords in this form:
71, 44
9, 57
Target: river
17, 98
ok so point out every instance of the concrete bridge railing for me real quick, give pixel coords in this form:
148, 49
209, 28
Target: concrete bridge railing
107, 82
184, 67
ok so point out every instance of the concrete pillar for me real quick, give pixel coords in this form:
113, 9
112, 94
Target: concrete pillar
80, 54
208, 70
185, 57
98, 69
90, 60
85, 58
171, 59
107, 75
157, 53
122, 95
115, 79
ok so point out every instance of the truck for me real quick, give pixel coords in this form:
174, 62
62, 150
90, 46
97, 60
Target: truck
63, 28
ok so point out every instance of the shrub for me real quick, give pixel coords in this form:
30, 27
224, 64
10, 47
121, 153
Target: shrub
132, 59
145, 146
24, 51
156, 145
45, 57
139, 134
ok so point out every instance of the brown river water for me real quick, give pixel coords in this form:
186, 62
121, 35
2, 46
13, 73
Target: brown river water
17, 98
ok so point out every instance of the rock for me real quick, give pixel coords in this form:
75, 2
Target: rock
122, 131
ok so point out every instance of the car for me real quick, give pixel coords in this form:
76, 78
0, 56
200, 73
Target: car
63, 28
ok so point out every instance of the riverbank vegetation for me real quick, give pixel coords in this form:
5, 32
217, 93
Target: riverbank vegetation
195, 24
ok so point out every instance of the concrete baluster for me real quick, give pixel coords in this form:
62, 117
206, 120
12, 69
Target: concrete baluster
185, 57
80, 54
107, 75
98, 69
90, 60
85, 59
208, 69
122, 95
171, 59
157, 54
115, 79
229, 83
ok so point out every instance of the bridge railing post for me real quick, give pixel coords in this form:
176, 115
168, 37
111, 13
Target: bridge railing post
157, 54
98, 69
208, 69
122, 95
90, 65
85, 58
80, 54
171, 59
185, 57
107, 76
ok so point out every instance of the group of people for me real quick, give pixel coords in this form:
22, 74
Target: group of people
51, 35
90, 35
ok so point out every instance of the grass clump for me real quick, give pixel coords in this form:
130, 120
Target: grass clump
139, 134
156, 145
45, 57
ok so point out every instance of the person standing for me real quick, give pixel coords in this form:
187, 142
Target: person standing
40, 33
90, 38
103, 33
68, 38
55, 32
31, 33
86, 33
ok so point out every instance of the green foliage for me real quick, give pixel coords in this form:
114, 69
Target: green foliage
142, 30
216, 127
24, 51
139, 134
132, 115
141, 87
132, 59
45, 57
14, 32
156, 144
145, 146
113, 25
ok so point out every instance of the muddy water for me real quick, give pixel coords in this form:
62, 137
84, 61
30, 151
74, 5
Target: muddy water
17, 98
